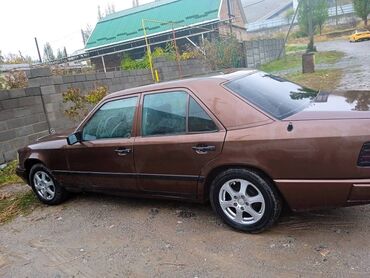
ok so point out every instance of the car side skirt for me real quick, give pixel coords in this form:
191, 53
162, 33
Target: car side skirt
316, 194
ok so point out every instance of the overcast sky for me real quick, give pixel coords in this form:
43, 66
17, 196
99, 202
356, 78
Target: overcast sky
56, 21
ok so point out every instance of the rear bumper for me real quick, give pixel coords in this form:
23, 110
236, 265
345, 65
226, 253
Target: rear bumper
360, 192
316, 194
22, 173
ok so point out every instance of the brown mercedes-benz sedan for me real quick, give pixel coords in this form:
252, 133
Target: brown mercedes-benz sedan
246, 141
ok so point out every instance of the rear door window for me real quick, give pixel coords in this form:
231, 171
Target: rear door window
172, 113
199, 120
164, 114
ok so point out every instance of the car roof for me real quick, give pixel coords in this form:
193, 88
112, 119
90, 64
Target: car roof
219, 78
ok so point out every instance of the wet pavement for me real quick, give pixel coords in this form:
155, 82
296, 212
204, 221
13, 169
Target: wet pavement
355, 63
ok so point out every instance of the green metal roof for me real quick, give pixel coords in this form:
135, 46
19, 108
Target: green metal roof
126, 25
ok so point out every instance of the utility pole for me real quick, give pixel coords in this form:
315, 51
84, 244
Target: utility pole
38, 50
310, 27
230, 16
290, 28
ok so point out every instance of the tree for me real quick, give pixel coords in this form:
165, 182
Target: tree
362, 8
60, 54
1, 58
48, 52
321, 14
109, 9
86, 33
312, 14
100, 15
289, 15
12, 58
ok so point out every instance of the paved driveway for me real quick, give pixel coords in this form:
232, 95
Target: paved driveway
356, 63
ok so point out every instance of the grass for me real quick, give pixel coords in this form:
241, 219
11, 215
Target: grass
8, 176
292, 61
13, 205
326, 80
295, 48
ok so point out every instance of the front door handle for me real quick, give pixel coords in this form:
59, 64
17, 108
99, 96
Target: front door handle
203, 149
123, 151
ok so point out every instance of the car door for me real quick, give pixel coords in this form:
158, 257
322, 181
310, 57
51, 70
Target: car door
104, 158
178, 136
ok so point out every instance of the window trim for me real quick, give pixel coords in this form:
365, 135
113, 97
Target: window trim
174, 90
87, 119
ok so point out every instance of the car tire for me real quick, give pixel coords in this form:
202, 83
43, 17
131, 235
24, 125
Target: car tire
245, 200
45, 186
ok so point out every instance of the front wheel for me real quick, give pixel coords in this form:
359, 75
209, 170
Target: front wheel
45, 186
245, 201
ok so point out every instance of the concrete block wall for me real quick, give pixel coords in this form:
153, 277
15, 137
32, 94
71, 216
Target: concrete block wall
22, 120
259, 52
171, 70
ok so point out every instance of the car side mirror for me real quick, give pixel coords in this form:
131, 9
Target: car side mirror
74, 138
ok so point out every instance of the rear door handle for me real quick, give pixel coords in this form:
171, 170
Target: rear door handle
204, 149
123, 151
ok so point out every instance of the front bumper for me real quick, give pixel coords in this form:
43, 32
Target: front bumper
22, 173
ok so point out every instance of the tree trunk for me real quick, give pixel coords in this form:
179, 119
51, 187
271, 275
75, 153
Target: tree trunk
311, 44
365, 22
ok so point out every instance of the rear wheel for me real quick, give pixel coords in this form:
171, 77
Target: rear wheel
46, 188
245, 201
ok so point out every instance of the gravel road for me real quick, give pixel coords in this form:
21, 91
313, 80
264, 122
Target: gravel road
356, 63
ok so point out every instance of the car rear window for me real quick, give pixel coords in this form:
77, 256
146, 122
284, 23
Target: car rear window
274, 95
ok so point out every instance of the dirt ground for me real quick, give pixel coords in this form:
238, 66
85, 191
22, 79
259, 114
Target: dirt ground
101, 236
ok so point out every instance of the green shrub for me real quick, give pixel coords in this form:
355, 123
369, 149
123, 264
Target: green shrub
169, 52
224, 52
80, 104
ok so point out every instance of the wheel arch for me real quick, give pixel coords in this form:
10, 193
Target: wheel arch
30, 162
219, 169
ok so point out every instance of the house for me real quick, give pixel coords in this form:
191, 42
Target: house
269, 14
186, 21
260, 10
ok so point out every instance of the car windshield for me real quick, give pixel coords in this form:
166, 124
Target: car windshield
274, 95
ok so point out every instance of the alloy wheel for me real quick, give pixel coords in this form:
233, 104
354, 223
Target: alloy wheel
242, 201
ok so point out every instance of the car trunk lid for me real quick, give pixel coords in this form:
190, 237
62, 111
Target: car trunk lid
336, 105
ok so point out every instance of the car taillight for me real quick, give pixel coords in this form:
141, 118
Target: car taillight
364, 157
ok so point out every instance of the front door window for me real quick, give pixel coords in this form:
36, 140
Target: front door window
113, 120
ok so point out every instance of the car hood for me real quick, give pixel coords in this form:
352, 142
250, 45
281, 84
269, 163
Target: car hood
336, 105
56, 136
